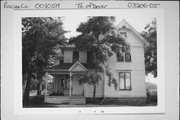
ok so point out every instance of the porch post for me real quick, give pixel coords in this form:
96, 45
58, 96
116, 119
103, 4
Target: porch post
70, 84
46, 84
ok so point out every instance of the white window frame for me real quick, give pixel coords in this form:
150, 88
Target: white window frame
124, 81
124, 58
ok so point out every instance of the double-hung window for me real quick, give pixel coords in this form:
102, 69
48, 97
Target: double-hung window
124, 80
123, 57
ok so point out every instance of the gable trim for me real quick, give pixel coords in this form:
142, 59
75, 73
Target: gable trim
128, 26
75, 64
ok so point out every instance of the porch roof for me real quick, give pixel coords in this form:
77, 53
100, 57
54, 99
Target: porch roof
67, 66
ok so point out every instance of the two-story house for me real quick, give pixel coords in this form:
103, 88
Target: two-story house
128, 69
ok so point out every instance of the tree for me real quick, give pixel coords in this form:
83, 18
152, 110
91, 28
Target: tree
39, 37
98, 35
150, 34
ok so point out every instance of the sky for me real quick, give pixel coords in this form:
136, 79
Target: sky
72, 23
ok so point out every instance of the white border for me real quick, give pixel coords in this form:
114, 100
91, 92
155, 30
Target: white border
17, 68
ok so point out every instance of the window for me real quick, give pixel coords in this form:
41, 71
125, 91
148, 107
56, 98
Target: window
120, 57
127, 56
123, 34
124, 81
123, 56
90, 57
75, 56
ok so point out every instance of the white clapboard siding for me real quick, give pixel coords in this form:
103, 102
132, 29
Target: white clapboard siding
137, 83
88, 90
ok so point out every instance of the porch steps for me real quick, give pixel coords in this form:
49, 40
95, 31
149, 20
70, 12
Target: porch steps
73, 100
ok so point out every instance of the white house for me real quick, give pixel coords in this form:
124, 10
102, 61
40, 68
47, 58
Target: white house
129, 70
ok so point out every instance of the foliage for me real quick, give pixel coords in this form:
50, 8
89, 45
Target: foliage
39, 37
151, 90
97, 35
111, 78
90, 78
150, 34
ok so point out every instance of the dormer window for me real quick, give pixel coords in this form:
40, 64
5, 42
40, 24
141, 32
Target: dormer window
75, 56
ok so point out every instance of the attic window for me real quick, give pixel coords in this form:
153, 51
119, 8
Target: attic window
124, 27
123, 34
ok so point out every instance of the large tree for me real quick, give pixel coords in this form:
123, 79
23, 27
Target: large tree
39, 37
98, 35
150, 34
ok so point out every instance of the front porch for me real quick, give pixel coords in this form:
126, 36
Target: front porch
64, 87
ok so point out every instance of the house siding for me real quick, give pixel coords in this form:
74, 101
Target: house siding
137, 86
131, 38
137, 61
88, 90
136, 67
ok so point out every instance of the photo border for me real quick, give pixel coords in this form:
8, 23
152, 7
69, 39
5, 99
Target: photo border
17, 68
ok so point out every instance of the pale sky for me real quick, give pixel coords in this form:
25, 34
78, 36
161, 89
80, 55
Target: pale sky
135, 17
71, 23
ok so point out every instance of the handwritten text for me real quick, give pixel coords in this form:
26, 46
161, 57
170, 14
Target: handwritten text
47, 6
90, 6
15, 6
142, 5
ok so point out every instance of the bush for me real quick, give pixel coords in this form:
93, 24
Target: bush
57, 94
33, 100
151, 90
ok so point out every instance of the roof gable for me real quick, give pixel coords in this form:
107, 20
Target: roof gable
125, 24
77, 66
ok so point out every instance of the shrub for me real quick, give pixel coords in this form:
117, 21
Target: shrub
151, 90
57, 94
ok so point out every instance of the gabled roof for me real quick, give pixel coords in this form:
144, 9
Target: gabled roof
77, 66
70, 66
125, 24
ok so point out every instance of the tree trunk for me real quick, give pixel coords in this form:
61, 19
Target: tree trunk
39, 88
27, 89
94, 92
96, 69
